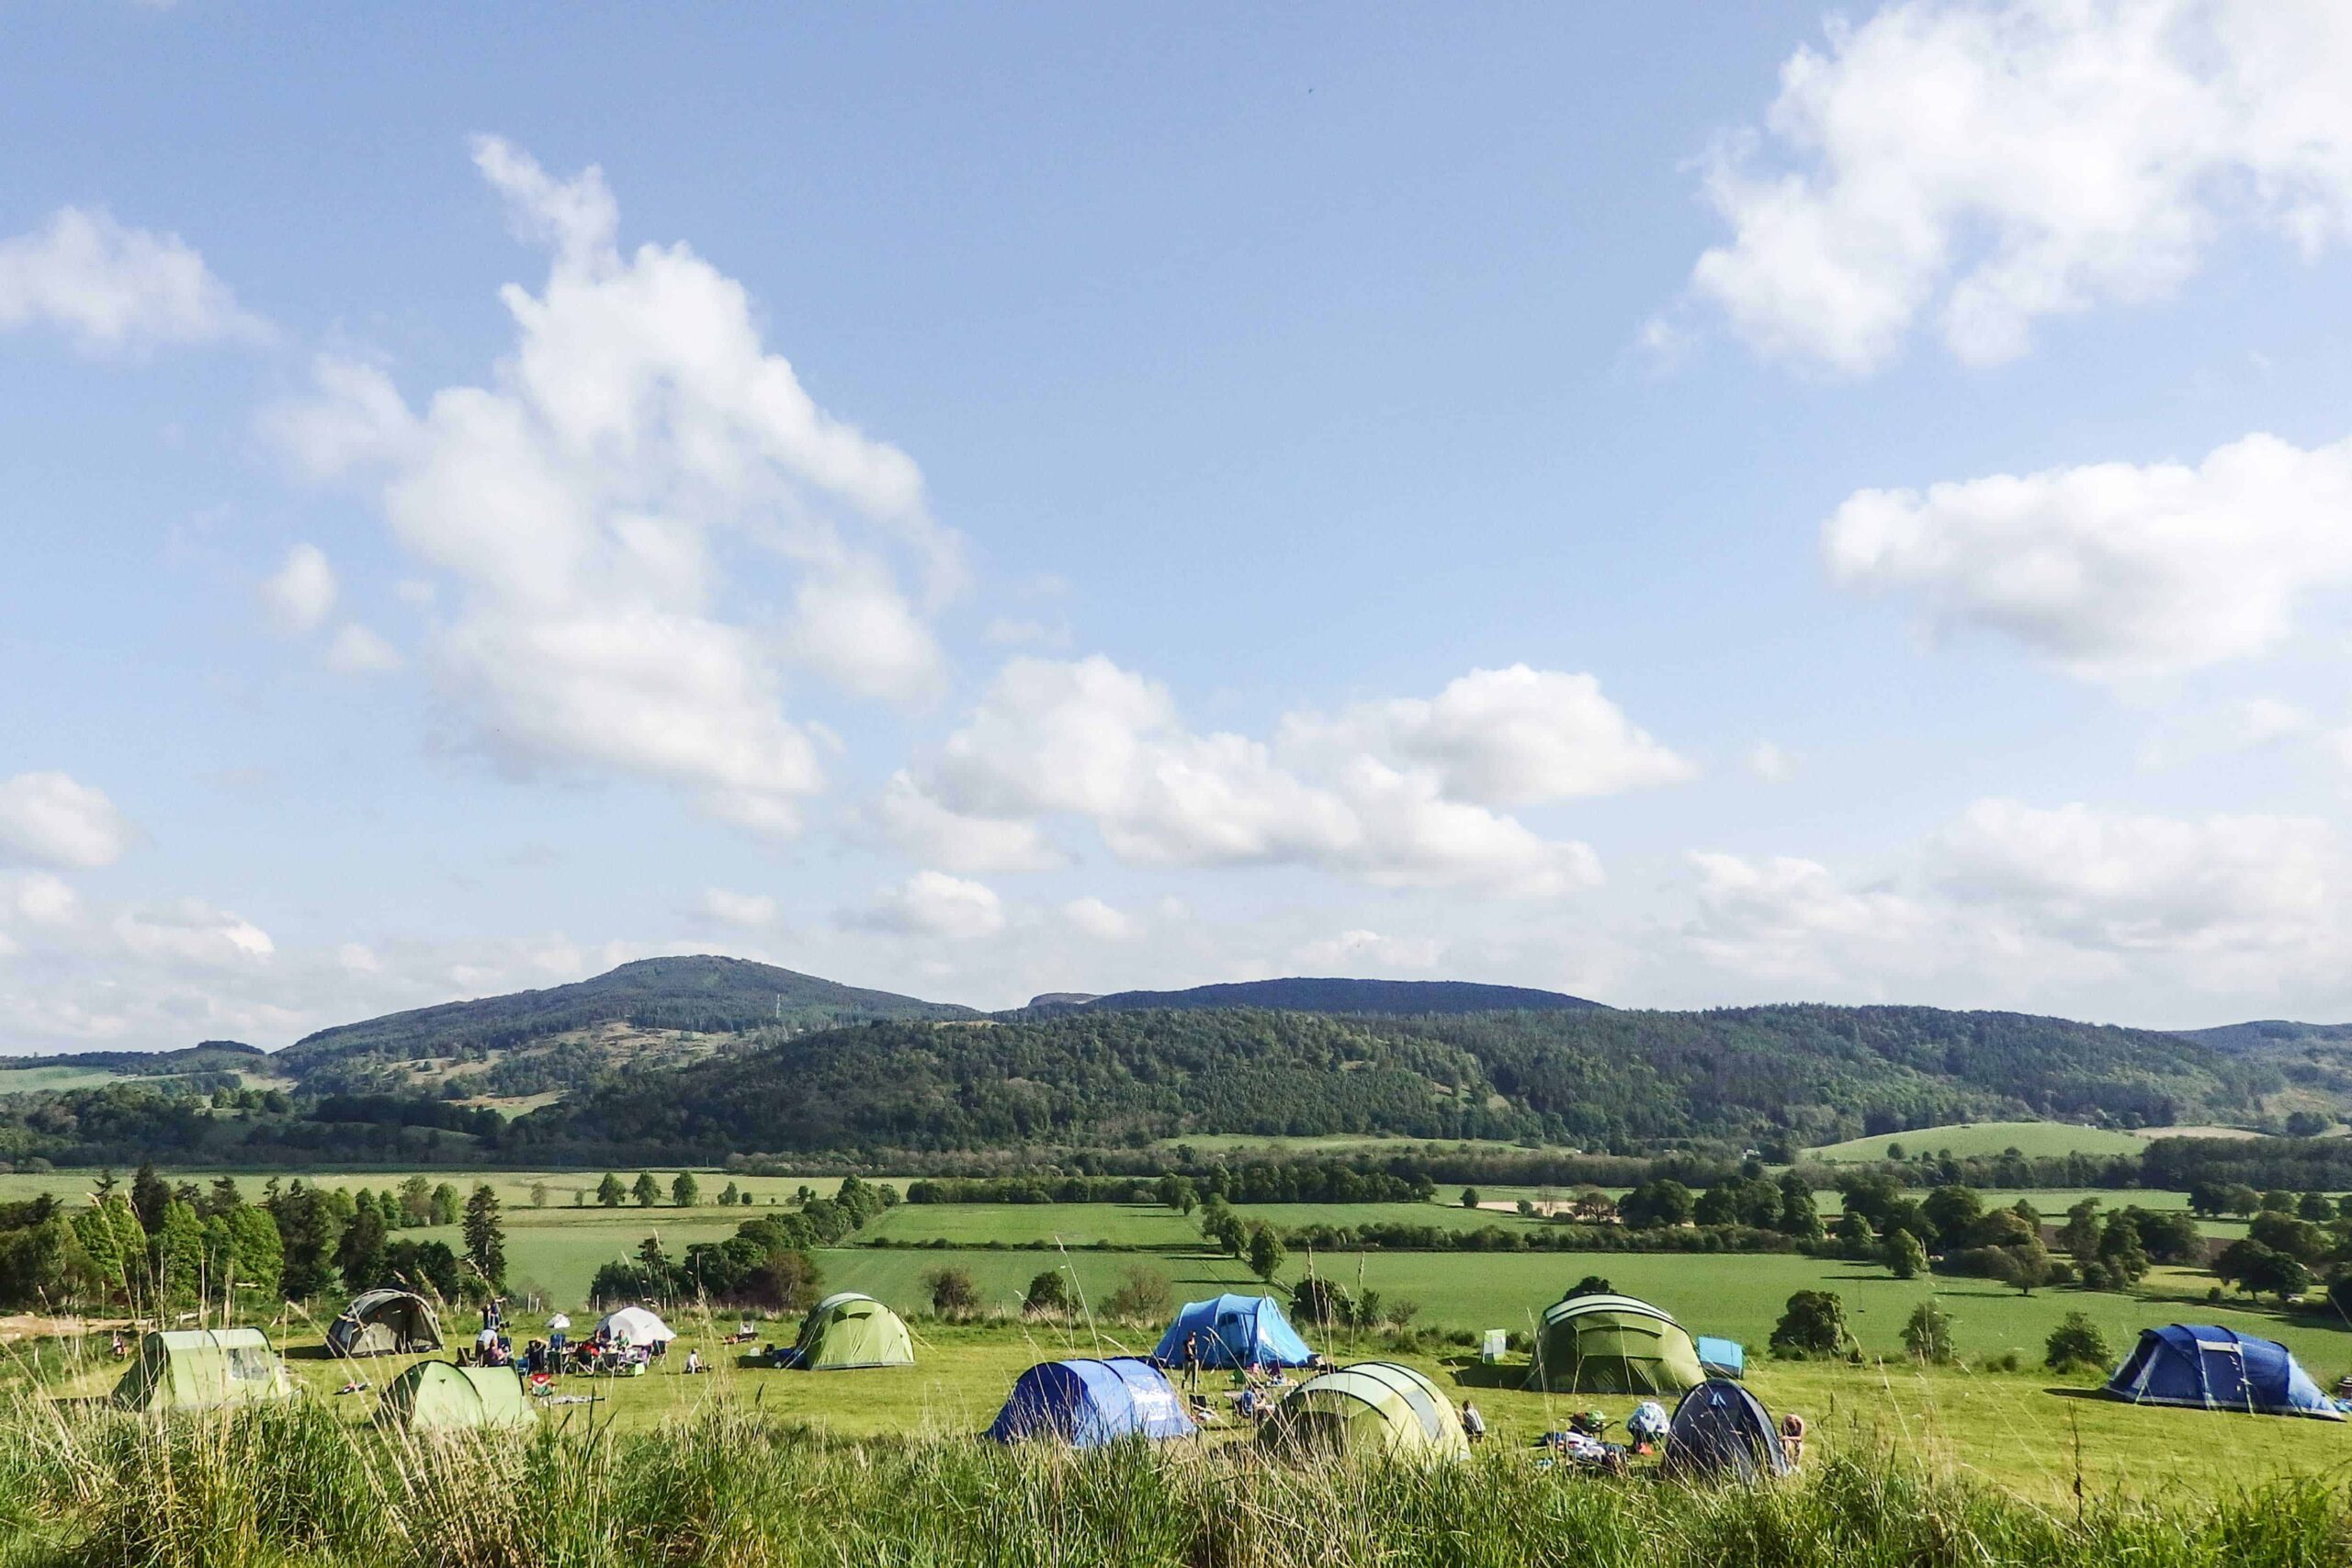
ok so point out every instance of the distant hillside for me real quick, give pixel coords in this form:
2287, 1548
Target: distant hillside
1592, 1078
2270, 1035
1402, 998
205, 1055
568, 1036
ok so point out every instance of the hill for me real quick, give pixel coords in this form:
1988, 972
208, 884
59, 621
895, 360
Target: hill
2270, 1035
1776, 1077
1392, 997
652, 1012
1965, 1140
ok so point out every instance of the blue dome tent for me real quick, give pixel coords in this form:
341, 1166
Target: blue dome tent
2205, 1367
1088, 1403
1233, 1331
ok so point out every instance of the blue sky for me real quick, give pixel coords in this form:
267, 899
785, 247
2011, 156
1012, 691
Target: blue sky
1681, 504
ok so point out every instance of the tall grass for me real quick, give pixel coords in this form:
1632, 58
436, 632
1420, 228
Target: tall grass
294, 1484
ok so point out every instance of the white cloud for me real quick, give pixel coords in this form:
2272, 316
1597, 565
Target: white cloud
1086, 739
1992, 164
2113, 570
2117, 881
189, 931
53, 819
936, 836
299, 595
639, 466
1784, 918
114, 287
359, 651
2252, 725
1093, 917
39, 899
744, 911
1515, 737
1358, 952
1771, 763
932, 903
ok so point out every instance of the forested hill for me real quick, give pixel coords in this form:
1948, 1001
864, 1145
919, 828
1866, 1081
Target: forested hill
1593, 1078
695, 995
1393, 998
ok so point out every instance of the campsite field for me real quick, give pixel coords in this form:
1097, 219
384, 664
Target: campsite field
2024, 1431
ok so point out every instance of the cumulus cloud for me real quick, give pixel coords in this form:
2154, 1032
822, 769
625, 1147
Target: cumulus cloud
641, 469
109, 287
190, 930
299, 595
1365, 795
1991, 165
2253, 724
957, 842
1785, 917
2112, 571
1515, 737
934, 904
53, 819
1771, 762
1096, 919
744, 911
360, 651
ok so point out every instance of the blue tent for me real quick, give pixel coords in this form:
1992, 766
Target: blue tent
1233, 1331
1088, 1403
1721, 1358
2215, 1368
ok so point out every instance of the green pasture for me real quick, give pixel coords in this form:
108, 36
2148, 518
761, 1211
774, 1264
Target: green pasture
28, 1081
2035, 1139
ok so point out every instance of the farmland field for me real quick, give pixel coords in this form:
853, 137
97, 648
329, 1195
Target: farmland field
2035, 1139
26, 1080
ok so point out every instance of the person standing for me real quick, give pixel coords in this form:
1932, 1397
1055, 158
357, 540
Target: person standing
1792, 1439
1474, 1425
1192, 1362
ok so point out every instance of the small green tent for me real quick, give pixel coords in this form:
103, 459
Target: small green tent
385, 1323
847, 1331
1612, 1344
1371, 1407
194, 1369
437, 1396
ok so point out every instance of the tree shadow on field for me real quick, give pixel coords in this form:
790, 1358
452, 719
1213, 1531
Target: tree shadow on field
1471, 1374
2079, 1394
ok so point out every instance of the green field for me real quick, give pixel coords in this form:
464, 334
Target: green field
28, 1081
2036, 1139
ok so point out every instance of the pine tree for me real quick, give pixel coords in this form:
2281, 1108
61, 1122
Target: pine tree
485, 1236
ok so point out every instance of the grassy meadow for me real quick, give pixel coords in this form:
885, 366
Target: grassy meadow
2034, 1139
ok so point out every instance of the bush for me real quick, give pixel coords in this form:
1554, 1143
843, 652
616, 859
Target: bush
2076, 1345
1143, 1294
952, 1291
1813, 1325
1928, 1334
1049, 1294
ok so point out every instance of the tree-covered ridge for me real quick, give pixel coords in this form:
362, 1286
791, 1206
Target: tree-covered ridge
1782, 1076
1409, 999
700, 995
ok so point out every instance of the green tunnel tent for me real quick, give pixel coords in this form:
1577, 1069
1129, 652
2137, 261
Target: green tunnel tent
197, 1369
848, 1331
440, 1396
1612, 1344
1373, 1408
385, 1323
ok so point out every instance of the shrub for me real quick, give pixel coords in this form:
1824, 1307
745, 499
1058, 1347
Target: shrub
952, 1291
1813, 1325
1142, 1294
1928, 1334
2075, 1344
1049, 1294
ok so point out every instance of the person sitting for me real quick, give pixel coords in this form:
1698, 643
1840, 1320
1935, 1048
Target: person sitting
694, 1362
1474, 1425
121, 1350
1792, 1439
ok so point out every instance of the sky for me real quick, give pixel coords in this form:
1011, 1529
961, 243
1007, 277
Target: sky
1688, 505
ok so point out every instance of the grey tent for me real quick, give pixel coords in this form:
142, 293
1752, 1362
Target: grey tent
1722, 1432
385, 1323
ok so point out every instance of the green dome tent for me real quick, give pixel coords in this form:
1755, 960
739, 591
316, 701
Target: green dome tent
848, 1331
1372, 1407
195, 1369
385, 1323
439, 1396
1612, 1344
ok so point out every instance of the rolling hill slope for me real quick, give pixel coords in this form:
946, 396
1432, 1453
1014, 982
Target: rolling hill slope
1395, 997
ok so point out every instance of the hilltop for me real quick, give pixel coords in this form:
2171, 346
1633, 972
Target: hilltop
651, 1012
1394, 998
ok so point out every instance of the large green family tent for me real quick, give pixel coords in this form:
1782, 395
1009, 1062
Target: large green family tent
385, 1323
1612, 1344
437, 1396
848, 1331
1372, 1407
193, 1369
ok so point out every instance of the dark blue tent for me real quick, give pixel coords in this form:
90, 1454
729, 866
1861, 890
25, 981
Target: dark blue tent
2207, 1368
1721, 1431
1233, 1331
1089, 1404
